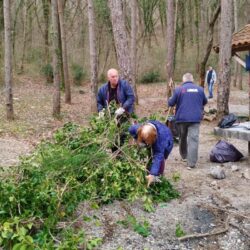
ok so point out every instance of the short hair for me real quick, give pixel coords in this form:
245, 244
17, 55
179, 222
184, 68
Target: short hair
188, 77
147, 133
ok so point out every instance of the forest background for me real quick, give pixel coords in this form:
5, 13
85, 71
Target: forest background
148, 41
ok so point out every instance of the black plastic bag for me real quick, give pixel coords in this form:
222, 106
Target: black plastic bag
225, 152
228, 121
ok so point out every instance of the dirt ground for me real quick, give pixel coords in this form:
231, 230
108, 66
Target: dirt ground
206, 205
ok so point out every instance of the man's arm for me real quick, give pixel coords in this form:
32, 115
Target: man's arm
130, 97
100, 105
173, 99
156, 164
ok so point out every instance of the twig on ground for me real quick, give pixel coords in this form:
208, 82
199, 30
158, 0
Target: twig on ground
243, 231
236, 214
193, 236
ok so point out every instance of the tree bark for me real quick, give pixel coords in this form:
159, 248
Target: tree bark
236, 66
224, 58
46, 29
64, 53
240, 78
25, 23
121, 40
209, 45
133, 45
93, 56
8, 60
197, 38
170, 43
56, 60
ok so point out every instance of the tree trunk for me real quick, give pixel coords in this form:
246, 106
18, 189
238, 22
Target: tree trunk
46, 30
56, 59
13, 35
224, 58
240, 78
121, 40
25, 23
190, 21
182, 25
209, 45
133, 44
8, 60
170, 43
236, 67
197, 38
64, 53
93, 56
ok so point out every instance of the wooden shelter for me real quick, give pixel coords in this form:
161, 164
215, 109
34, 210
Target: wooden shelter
240, 42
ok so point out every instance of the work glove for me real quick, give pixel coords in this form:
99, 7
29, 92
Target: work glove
119, 111
101, 114
152, 178
142, 145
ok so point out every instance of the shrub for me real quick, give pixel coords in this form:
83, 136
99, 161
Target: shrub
47, 71
150, 77
78, 74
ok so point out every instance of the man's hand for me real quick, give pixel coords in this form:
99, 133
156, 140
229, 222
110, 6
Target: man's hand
150, 178
119, 111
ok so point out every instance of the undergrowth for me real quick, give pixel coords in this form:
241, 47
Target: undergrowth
77, 164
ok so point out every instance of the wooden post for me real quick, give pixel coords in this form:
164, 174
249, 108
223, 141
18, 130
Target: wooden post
249, 106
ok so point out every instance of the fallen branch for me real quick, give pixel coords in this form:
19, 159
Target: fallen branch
193, 236
243, 231
236, 214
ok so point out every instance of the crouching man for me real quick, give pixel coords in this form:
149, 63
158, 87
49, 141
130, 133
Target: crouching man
158, 136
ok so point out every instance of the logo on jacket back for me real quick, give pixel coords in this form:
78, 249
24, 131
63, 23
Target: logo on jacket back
192, 90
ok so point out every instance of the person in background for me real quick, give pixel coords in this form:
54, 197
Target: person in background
118, 90
189, 100
157, 136
210, 80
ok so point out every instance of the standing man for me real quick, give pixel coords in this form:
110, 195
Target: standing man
158, 136
210, 80
118, 90
189, 100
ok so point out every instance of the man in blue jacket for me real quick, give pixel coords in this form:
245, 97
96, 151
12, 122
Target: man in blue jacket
118, 90
159, 137
189, 100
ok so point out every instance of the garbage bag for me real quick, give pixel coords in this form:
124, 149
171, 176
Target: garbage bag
225, 152
227, 121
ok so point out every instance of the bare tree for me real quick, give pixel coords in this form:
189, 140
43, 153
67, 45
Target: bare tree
25, 32
46, 29
236, 65
64, 52
121, 39
133, 44
8, 60
225, 57
56, 60
170, 42
209, 44
93, 56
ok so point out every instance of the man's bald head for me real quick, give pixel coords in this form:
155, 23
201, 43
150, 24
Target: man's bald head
113, 77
